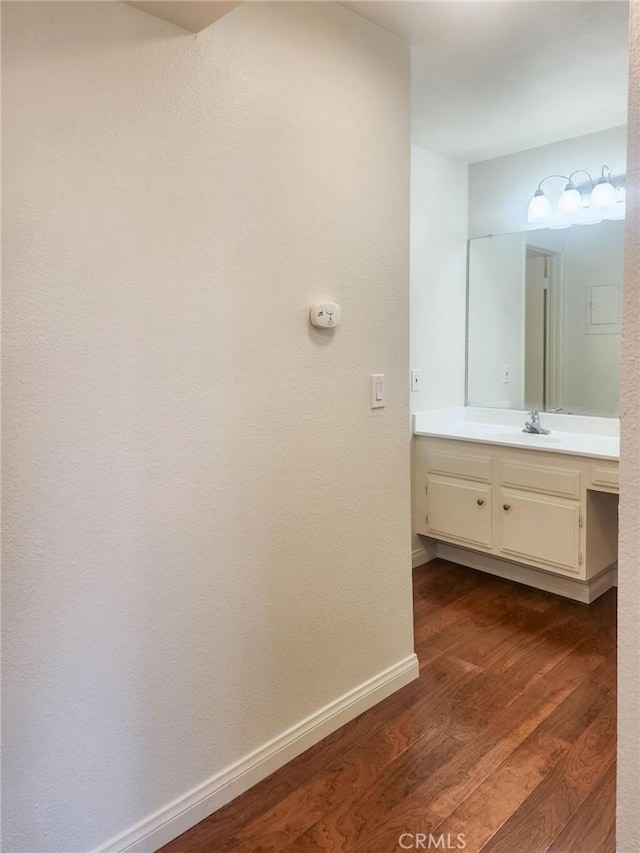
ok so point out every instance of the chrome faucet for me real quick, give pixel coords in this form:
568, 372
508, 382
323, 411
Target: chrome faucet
533, 425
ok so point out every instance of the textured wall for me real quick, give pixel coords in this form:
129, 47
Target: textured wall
207, 525
629, 561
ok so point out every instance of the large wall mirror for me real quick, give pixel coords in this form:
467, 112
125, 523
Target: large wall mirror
544, 319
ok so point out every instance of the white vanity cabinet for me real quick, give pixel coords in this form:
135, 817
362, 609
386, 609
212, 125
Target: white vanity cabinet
459, 496
547, 511
540, 530
459, 510
540, 515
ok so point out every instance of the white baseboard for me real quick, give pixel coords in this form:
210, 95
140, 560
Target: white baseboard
604, 581
578, 590
184, 812
424, 553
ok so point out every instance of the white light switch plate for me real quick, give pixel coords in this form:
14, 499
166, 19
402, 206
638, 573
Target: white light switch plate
377, 391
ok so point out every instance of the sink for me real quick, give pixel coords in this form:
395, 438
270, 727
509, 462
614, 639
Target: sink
520, 436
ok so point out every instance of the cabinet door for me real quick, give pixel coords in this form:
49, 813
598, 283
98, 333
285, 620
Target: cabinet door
540, 529
459, 510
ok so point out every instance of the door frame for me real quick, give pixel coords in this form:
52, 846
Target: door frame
555, 326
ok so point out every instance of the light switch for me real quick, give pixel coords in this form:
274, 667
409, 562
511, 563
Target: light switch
416, 380
377, 390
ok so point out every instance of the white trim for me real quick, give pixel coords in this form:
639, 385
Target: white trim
424, 553
602, 582
578, 590
183, 813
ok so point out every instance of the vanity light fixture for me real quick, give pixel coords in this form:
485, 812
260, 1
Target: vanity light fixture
539, 207
603, 194
570, 201
587, 203
621, 203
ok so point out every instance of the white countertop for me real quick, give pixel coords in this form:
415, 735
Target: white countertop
574, 434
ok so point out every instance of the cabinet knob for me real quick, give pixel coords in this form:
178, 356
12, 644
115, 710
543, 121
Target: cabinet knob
479, 501
506, 507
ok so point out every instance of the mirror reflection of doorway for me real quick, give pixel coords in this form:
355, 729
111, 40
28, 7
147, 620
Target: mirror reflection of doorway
571, 355
540, 301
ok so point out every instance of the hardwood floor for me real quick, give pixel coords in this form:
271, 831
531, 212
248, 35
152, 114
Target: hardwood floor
505, 743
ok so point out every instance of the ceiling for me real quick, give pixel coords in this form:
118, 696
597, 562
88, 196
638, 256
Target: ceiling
491, 78
192, 15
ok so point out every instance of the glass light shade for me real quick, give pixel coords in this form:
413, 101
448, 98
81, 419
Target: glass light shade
539, 208
619, 212
603, 195
621, 204
589, 215
570, 201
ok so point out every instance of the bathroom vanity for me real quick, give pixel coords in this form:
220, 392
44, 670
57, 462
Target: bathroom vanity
538, 509
543, 332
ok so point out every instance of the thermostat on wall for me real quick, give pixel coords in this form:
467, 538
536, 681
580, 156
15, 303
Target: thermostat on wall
326, 315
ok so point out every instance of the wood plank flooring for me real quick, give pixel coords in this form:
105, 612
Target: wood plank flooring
506, 742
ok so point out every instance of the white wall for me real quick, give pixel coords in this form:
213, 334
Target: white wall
500, 189
628, 828
207, 527
438, 278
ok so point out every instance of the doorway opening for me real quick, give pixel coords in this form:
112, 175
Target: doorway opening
543, 374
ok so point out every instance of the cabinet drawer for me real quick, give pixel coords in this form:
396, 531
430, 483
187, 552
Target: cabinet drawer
606, 475
459, 510
540, 529
465, 465
541, 478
